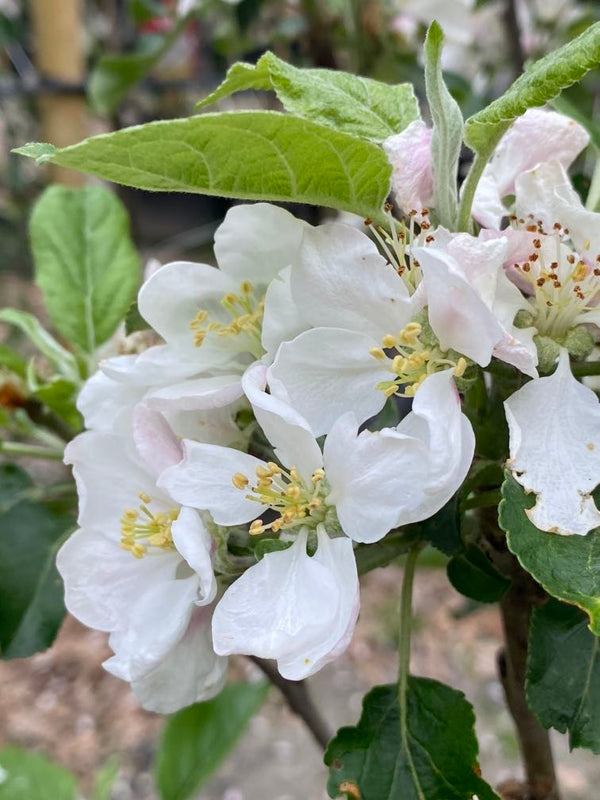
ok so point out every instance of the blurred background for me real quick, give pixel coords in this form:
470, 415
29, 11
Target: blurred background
69, 69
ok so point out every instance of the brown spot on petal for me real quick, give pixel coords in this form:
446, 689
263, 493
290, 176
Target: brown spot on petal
590, 445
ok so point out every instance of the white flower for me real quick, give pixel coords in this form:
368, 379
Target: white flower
535, 137
140, 563
554, 425
471, 303
371, 482
409, 153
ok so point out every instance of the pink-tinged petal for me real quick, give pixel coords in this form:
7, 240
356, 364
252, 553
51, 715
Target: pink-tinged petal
535, 137
155, 442
279, 608
547, 193
457, 313
282, 319
171, 298
152, 627
328, 371
341, 281
204, 480
190, 673
337, 556
373, 477
255, 242
409, 153
195, 544
197, 394
284, 427
554, 426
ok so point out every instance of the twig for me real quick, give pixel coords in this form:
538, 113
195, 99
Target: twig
299, 700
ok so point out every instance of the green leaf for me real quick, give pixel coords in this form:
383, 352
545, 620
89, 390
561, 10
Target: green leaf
540, 83
115, 75
60, 396
134, 321
442, 530
447, 131
250, 155
41, 151
472, 574
345, 102
105, 778
85, 263
265, 546
31, 594
563, 673
28, 776
386, 550
198, 738
56, 354
12, 361
568, 567
435, 759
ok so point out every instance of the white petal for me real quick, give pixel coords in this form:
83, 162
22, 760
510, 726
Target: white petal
153, 626
374, 477
195, 544
197, 394
279, 607
554, 426
155, 442
282, 319
170, 299
409, 153
158, 365
328, 371
341, 281
103, 582
488, 209
103, 400
203, 480
254, 242
191, 672
458, 315
337, 556
547, 193
285, 428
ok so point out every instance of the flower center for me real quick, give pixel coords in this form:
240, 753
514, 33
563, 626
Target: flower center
563, 285
286, 493
244, 326
410, 360
142, 528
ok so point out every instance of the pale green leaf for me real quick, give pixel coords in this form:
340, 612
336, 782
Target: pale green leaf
85, 263
349, 103
539, 84
56, 354
198, 738
29, 776
41, 151
447, 131
250, 155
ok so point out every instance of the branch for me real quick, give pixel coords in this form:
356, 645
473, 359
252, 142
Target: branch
299, 700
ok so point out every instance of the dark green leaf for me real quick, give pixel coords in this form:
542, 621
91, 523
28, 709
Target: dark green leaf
442, 530
134, 321
60, 396
31, 593
568, 567
265, 546
563, 673
472, 574
436, 759
386, 550
29, 776
250, 155
85, 263
198, 738
348, 103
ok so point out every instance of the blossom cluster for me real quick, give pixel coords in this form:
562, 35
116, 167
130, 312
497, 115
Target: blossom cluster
253, 417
